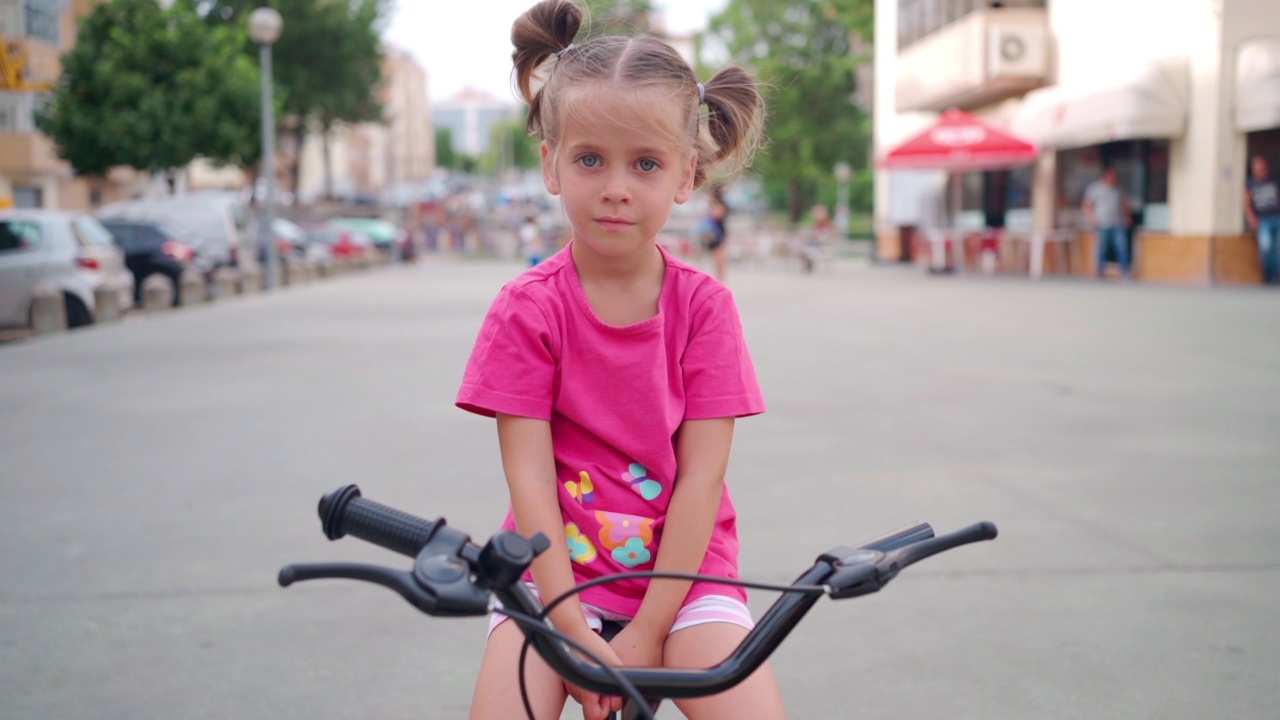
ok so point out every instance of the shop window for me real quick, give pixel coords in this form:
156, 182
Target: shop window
972, 189
995, 199
1016, 211
1142, 170
1155, 209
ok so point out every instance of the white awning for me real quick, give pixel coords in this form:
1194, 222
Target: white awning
1258, 85
1148, 102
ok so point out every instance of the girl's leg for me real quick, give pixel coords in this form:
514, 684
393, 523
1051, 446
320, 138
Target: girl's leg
1104, 239
721, 259
497, 693
705, 645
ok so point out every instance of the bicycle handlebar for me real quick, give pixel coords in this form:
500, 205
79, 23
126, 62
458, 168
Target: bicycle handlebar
454, 577
344, 512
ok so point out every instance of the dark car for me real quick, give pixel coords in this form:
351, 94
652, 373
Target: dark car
149, 247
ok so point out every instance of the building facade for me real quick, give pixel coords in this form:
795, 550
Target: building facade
33, 36
372, 159
1176, 96
469, 116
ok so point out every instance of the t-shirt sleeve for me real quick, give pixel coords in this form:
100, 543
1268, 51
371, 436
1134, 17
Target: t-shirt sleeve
719, 377
512, 367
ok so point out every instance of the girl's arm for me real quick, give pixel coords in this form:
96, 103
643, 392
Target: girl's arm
530, 468
702, 454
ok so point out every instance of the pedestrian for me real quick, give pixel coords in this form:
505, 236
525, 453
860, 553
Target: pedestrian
713, 233
820, 235
616, 371
1107, 210
531, 240
1262, 208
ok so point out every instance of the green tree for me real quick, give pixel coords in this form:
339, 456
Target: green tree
445, 156
328, 61
618, 17
152, 89
509, 147
800, 50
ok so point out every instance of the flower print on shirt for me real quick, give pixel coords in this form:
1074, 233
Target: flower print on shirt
581, 550
648, 488
583, 491
631, 553
626, 537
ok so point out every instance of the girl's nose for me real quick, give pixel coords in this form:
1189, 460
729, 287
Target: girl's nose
616, 188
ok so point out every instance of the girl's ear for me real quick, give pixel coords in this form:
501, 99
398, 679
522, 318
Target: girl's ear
690, 171
549, 177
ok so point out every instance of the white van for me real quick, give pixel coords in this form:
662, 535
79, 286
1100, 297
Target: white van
208, 221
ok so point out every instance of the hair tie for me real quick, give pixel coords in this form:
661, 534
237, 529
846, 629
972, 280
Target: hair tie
566, 49
702, 94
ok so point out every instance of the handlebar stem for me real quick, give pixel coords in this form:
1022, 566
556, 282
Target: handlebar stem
763, 639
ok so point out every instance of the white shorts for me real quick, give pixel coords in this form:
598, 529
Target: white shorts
706, 609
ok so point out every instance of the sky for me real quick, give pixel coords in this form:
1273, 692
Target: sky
465, 43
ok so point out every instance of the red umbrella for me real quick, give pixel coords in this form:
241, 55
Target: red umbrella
960, 142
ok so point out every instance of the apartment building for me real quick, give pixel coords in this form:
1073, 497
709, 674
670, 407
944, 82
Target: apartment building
371, 159
33, 36
469, 116
1176, 96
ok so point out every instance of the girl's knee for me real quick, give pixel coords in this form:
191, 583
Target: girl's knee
706, 645
497, 689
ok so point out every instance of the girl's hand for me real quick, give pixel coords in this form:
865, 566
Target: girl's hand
595, 706
639, 646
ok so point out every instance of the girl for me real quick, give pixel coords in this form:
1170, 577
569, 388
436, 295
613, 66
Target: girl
615, 371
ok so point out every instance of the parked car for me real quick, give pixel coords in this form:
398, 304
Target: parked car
290, 237
67, 250
340, 242
386, 237
207, 221
149, 248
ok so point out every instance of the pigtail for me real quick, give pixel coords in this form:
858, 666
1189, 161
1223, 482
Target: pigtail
735, 122
543, 31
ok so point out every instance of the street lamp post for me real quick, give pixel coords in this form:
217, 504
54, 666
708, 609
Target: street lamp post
843, 173
264, 28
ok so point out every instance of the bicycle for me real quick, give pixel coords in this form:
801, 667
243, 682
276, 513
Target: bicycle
454, 577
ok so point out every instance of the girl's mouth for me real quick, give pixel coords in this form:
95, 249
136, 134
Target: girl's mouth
613, 223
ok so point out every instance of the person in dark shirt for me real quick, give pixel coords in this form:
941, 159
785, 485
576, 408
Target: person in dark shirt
1262, 208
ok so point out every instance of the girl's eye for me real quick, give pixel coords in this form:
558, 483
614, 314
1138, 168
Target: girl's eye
589, 161
647, 165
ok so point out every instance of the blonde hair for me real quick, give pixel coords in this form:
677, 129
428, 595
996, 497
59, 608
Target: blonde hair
735, 110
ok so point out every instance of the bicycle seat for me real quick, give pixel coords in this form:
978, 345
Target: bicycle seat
610, 630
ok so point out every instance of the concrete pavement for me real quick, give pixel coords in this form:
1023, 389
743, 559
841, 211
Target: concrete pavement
154, 476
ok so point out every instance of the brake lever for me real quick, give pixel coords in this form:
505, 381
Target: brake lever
860, 573
397, 580
438, 585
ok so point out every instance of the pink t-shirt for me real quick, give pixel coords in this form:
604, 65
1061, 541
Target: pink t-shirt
615, 398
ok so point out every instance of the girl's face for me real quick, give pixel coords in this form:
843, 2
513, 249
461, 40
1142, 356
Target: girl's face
619, 166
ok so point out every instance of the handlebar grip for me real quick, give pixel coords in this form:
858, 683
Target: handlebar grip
974, 533
344, 512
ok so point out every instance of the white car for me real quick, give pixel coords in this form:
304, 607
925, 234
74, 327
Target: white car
70, 251
207, 220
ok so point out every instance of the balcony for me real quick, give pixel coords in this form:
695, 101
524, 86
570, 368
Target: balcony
986, 56
26, 153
